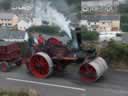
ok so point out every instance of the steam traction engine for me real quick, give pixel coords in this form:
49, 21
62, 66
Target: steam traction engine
55, 57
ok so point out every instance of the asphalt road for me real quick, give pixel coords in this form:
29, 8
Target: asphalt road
68, 84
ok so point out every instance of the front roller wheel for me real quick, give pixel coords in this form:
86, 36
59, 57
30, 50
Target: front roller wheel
87, 73
92, 71
40, 65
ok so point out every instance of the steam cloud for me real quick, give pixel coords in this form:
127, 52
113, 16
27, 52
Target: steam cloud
45, 12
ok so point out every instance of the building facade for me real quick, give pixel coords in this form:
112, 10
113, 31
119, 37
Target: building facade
8, 19
101, 23
99, 6
23, 25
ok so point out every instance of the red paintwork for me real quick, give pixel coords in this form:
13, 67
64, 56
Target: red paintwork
39, 66
61, 56
9, 52
88, 73
41, 40
54, 41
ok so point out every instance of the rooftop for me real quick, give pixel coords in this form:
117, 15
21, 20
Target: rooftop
4, 15
9, 35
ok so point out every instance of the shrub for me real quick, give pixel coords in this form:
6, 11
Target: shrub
52, 30
90, 35
29, 92
115, 52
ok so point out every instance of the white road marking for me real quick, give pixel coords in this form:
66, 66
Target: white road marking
47, 84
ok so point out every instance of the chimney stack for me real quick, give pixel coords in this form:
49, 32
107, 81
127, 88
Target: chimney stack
78, 37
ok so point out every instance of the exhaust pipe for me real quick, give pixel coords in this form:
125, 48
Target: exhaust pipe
77, 39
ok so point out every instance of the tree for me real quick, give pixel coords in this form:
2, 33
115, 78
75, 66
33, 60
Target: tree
89, 35
124, 23
116, 52
53, 30
124, 27
123, 10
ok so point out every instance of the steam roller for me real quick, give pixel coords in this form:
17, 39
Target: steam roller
54, 57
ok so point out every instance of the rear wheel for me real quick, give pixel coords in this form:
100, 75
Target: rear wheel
41, 65
5, 67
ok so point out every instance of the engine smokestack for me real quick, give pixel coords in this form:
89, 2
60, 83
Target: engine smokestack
77, 39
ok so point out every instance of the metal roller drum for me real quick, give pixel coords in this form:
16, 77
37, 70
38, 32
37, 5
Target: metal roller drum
41, 65
94, 70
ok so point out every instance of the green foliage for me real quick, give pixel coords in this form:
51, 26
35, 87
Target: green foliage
70, 2
124, 23
89, 35
9, 93
123, 8
124, 19
124, 27
18, 92
116, 52
52, 30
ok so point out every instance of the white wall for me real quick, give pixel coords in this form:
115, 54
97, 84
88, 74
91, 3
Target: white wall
23, 25
107, 36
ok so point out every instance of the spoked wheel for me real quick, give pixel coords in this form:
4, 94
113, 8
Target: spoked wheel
54, 41
4, 67
88, 73
40, 65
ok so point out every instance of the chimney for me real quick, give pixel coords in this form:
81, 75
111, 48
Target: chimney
77, 39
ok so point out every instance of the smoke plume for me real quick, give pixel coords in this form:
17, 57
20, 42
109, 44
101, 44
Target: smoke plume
46, 12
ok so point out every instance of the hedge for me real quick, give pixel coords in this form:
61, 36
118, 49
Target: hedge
115, 52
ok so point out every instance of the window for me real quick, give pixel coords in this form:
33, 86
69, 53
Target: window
9, 24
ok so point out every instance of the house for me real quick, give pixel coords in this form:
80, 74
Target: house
22, 5
25, 8
8, 19
14, 36
23, 25
101, 23
37, 22
90, 21
99, 6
